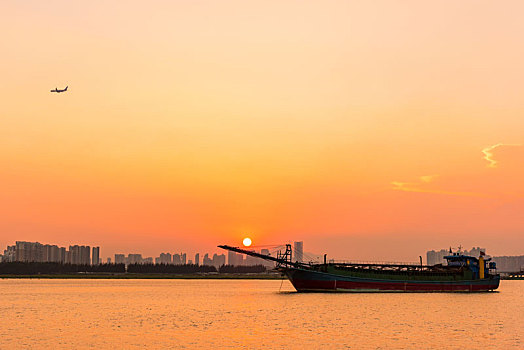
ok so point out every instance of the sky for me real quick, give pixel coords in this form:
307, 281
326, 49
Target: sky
369, 130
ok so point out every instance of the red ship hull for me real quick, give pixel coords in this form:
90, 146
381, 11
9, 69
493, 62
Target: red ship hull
314, 281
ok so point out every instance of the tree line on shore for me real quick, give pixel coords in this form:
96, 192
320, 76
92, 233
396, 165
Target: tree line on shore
192, 268
36, 268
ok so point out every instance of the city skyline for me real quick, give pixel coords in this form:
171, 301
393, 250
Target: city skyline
42, 252
38, 252
381, 255
80, 254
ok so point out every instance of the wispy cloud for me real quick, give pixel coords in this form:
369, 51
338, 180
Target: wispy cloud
494, 184
428, 178
488, 153
419, 187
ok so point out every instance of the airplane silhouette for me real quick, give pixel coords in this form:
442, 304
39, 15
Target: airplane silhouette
59, 91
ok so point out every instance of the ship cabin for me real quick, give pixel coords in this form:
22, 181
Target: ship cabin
479, 267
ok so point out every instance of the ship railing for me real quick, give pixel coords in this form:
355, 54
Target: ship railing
363, 262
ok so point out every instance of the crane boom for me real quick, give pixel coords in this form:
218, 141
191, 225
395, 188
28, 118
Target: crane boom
281, 259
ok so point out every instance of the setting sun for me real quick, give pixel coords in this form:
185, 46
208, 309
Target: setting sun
247, 242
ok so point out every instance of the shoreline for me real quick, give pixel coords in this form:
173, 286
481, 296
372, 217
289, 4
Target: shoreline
223, 276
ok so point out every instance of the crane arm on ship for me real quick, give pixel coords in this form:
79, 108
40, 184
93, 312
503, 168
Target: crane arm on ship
281, 259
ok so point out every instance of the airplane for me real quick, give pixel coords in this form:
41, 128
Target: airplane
59, 91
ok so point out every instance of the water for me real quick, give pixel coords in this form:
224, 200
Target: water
206, 314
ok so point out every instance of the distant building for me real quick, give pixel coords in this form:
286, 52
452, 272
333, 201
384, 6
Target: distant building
148, 260
206, 261
475, 252
266, 263
9, 254
52, 253
298, 251
120, 259
96, 256
176, 259
62, 254
85, 255
80, 254
109, 260
218, 260
197, 259
164, 258
74, 252
251, 260
134, 259
436, 257
509, 263
37, 252
29, 251
234, 258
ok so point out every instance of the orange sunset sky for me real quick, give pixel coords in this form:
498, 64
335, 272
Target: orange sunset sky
371, 130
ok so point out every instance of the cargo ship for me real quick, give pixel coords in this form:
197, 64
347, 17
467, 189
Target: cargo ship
462, 273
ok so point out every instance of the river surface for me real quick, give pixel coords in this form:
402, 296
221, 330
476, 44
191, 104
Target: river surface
253, 314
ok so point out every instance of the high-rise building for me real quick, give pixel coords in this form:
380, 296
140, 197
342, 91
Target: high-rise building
234, 258
197, 259
29, 251
74, 251
96, 256
80, 254
266, 263
53, 253
134, 259
176, 259
50, 253
62, 254
85, 255
221, 259
9, 254
240, 259
206, 261
218, 260
509, 263
251, 261
37, 252
475, 251
183, 258
298, 251
436, 257
109, 260
120, 259
164, 258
